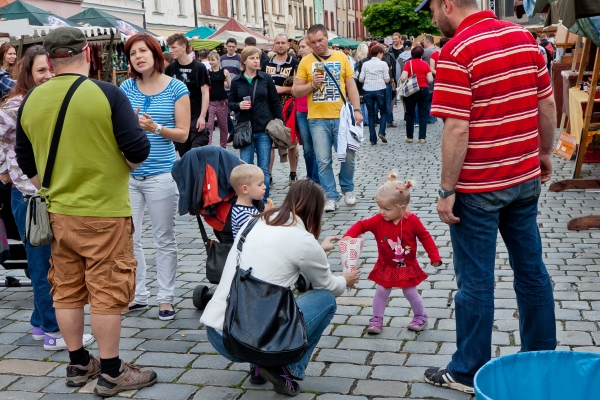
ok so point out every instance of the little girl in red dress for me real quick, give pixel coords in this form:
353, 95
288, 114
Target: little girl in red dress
396, 231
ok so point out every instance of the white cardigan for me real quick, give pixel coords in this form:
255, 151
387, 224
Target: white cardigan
277, 254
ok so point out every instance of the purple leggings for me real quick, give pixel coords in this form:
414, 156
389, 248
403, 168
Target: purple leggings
410, 293
221, 111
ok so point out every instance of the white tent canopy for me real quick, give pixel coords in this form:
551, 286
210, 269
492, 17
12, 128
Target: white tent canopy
19, 29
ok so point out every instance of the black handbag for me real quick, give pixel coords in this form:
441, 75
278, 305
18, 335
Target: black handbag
216, 255
242, 133
263, 324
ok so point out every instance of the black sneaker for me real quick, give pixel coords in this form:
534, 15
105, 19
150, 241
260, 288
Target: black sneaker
136, 307
441, 377
283, 382
166, 315
255, 377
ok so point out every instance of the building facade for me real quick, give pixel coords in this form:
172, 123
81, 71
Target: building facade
330, 15
128, 10
318, 10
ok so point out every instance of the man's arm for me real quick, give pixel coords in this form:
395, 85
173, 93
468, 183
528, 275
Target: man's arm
204, 109
354, 97
131, 139
547, 129
455, 140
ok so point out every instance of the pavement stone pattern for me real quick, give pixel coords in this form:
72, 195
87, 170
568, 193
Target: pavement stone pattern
348, 364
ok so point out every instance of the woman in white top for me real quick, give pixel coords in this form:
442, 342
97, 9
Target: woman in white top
281, 245
374, 75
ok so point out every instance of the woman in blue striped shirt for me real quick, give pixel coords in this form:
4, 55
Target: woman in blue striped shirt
163, 107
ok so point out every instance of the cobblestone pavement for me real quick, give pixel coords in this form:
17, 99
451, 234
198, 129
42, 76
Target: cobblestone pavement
348, 363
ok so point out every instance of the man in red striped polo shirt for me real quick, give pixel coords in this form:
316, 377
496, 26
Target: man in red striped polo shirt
493, 91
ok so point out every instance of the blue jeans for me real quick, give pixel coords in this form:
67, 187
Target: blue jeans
363, 110
261, 144
312, 169
38, 261
430, 118
513, 211
389, 96
325, 135
372, 98
419, 98
318, 308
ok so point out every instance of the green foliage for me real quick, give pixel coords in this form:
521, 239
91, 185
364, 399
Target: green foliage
383, 19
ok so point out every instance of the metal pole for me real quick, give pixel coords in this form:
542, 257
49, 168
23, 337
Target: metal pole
144, 16
108, 62
195, 14
20, 50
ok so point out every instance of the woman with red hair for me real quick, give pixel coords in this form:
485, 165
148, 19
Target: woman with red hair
163, 107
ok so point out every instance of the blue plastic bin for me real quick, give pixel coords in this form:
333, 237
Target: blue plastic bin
540, 375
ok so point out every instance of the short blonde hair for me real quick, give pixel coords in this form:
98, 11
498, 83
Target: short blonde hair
214, 55
397, 190
247, 52
243, 174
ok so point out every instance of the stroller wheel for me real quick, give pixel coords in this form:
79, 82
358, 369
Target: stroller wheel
201, 297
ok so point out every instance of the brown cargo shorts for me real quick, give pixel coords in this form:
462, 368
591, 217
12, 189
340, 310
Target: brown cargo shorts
92, 262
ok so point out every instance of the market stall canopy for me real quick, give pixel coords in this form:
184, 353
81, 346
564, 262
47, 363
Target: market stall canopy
20, 29
581, 17
235, 29
198, 44
343, 42
94, 17
201, 32
35, 16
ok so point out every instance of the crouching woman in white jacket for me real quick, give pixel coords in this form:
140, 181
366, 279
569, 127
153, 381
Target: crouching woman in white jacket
282, 244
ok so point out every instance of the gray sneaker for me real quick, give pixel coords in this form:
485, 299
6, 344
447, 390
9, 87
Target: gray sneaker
79, 375
331, 205
131, 378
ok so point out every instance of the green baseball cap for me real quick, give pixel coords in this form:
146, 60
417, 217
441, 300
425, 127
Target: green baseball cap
65, 38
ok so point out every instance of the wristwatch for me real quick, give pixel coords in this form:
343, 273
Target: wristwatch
446, 193
158, 129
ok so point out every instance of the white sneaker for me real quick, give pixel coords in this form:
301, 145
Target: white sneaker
349, 198
53, 344
331, 205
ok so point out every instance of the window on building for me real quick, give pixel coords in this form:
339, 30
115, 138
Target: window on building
223, 8
327, 19
205, 7
181, 7
509, 8
157, 5
332, 21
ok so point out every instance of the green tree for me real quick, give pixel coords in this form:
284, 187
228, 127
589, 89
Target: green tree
383, 19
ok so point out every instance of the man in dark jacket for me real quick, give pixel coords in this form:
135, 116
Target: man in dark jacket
390, 87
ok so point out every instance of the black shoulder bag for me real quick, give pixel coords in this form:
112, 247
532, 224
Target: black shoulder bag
242, 134
37, 223
263, 324
216, 254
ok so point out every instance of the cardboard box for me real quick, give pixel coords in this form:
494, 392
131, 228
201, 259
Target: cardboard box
565, 146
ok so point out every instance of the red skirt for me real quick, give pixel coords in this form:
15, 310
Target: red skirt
396, 276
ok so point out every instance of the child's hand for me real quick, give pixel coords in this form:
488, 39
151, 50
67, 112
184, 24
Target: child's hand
347, 238
327, 245
269, 204
437, 264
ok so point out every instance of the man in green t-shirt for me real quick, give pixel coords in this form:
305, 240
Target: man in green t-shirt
88, 201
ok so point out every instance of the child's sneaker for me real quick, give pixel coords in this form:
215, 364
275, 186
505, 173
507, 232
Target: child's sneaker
37, 333
375, 325
418, 323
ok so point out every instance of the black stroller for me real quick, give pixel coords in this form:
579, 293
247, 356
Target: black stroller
202, 176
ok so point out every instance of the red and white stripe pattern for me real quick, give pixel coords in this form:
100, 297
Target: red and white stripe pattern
492, 75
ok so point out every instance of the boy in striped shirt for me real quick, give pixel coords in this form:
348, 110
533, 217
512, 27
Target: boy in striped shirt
248, 181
